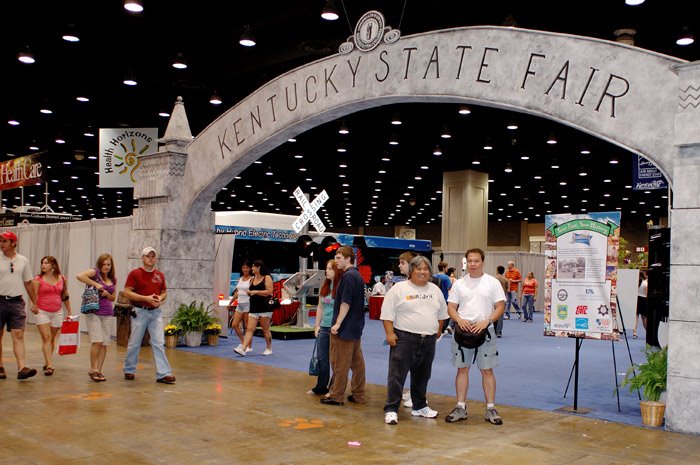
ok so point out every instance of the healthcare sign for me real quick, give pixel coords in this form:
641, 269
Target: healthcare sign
581, 275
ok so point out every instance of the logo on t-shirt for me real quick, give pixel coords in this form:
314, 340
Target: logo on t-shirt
156, 278
419, 296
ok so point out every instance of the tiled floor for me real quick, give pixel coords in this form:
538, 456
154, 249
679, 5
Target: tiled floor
226, 411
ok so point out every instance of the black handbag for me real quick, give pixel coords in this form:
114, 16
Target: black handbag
313, 363
274, 303
468, 339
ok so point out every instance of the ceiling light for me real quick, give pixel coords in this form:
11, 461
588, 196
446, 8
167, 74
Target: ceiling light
26, 56
82, 98
685, 37
180, 62
487, 145
555, 164
247, 39
464, 110
585, 152
613, 161
582, 172
512, 125
71, 35
129, 80
437, 152
341, 148
60, 140
13, 122
508, 168
396, 119
133, 6
634, 2
445, 134
34, 146
329, 11
215, 99
524, 156
551, 140
291, 139
45, 110
476, 161
393, 140
343, 129
89, 133
164, 114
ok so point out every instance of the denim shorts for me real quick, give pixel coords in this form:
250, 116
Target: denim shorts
260, 315
243, 307
486, 355
12, 314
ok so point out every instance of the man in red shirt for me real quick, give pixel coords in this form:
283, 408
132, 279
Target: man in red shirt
513, 276
145, 286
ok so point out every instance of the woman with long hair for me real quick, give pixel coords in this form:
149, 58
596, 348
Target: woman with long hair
99, 324
260, 291
51, 292
528, 296
322, 328
642, 292
240, 295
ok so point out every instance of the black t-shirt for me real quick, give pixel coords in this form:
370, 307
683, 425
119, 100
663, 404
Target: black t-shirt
351, 291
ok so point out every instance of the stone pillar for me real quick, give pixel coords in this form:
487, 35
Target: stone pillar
465, 196
185, 257
683, 408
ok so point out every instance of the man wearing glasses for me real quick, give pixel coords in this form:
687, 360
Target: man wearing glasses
15, 278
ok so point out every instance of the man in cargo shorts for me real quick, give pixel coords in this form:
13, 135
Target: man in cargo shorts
15, 276
475, 302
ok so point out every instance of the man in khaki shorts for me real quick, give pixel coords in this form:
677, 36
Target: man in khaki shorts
475, 302
15, 276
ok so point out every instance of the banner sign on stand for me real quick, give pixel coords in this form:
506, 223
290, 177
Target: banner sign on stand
646, 176
581, 253
22, 171
120, 150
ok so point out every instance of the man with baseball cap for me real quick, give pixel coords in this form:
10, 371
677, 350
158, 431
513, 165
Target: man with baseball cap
15, 277
145, 286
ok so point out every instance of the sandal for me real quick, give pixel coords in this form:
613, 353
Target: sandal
101, 376
48, 371
95, 376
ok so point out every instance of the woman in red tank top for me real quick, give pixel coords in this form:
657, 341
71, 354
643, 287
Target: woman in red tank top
529, 295
52, 293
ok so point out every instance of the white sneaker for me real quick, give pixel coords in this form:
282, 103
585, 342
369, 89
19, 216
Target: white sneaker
391, 418
407, 401
248, 349
425, 412
267, 352
240, 351
238, 347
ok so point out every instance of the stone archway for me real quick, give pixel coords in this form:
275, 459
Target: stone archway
637, 99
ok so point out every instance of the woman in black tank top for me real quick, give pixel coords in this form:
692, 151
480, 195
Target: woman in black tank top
260, 292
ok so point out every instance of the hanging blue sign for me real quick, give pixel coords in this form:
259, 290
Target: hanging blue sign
646, 176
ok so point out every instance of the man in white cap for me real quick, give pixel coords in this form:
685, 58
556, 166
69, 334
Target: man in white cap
15, 277
145, 286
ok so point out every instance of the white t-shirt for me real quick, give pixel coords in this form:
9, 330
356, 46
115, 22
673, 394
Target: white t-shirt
415, 309
642, 290
242, 287
12, 283
476, 297
379, 289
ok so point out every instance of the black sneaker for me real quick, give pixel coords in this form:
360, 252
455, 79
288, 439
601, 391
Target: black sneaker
4, 376
25, 373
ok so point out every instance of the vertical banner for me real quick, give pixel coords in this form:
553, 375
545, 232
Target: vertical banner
120, 150
646, 176
581, 253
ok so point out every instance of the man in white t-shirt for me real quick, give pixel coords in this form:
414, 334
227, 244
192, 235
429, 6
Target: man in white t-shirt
15, 278
379, 288
412, 312
474, 303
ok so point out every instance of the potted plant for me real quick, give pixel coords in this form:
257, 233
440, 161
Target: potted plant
650, 378
192, 318
212, 331
172, 334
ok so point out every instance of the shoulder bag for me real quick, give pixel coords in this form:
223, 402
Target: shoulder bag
90, 300
313, 363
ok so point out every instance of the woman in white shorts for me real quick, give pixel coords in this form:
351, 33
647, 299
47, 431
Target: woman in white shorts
100, 323
240, 295
51, 290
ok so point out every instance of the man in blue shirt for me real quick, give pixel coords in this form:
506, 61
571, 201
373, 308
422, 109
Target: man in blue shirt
346, 332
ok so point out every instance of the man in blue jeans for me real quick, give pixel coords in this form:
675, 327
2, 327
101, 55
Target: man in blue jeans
145, 286
412, 313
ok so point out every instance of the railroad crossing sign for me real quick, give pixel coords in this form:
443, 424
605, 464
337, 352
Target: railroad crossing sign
309, 209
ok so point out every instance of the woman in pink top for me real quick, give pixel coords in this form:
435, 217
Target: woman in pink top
51, 292
529, 295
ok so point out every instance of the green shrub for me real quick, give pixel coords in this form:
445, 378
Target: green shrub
650, 376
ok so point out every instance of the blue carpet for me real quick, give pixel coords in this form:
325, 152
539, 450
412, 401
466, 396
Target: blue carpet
532, 373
